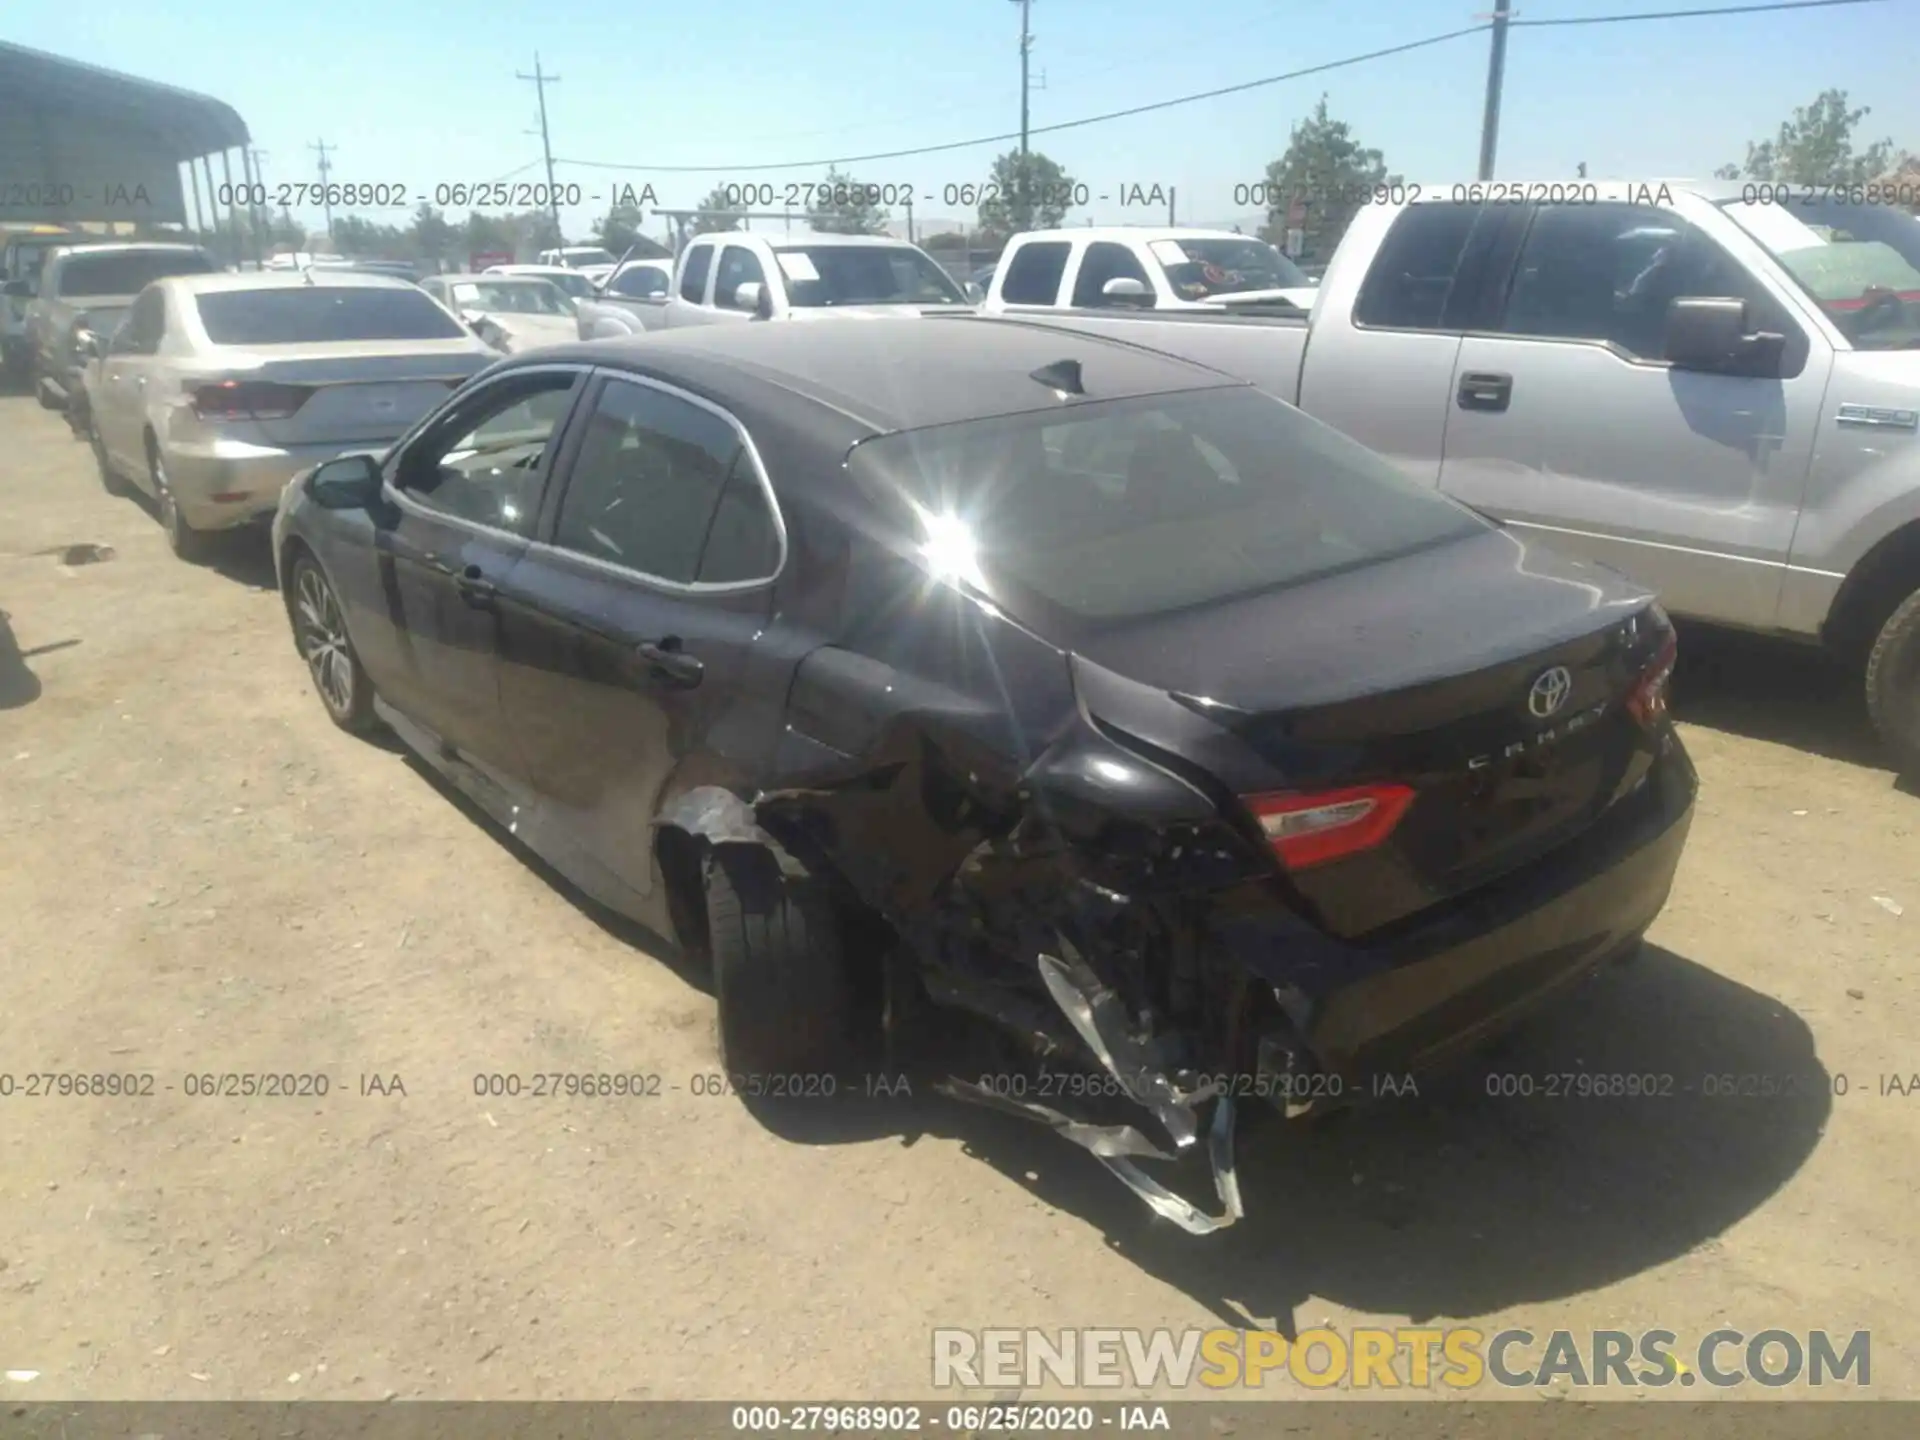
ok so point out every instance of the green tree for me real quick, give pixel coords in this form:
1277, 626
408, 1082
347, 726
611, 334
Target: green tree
355, 235
724, 214
945, 240
1027, 192
431, 236
1815, 147
1328, 172
619, 228
283, 229
845, 206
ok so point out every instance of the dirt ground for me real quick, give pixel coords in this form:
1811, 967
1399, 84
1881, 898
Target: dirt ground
201, 875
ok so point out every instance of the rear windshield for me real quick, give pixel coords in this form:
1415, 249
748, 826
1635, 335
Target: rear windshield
513, 297
821, 275
127, 272
319, 314
1115, 510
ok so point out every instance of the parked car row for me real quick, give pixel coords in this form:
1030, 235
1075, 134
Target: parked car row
1065, 678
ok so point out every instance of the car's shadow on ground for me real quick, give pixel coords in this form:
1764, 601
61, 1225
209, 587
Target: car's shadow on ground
1777, 691
649, 947
18, 684
1461, 1202
243, 556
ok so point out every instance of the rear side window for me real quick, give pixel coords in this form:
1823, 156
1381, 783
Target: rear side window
646, 482
127, 272
693, 277
1128, 508
322, 314
1034, 273
1412, 277
742, 542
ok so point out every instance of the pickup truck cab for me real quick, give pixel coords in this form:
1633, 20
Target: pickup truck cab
733, 278
1714, 388
1141, 268
631, 296
86, 290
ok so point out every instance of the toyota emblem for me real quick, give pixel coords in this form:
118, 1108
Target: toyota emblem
1550, 692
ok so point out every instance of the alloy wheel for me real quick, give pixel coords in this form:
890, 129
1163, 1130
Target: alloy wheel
323, 640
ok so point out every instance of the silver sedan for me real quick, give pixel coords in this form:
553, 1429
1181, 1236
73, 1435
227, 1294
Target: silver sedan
218, 389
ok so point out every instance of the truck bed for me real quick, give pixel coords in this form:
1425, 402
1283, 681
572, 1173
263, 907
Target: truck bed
1266, 349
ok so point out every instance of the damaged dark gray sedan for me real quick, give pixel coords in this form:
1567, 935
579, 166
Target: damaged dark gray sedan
974, 677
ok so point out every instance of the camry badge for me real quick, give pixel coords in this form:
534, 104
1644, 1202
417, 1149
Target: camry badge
1550, 692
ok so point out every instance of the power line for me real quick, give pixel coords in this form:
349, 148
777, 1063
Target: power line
1694, 14
1045, 129
1321, 69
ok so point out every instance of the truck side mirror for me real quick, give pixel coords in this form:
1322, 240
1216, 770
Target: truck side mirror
1127, 289
1710, 334
756, 297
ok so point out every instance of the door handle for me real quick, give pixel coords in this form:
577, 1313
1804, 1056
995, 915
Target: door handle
1480, 390
475, 588
665, 660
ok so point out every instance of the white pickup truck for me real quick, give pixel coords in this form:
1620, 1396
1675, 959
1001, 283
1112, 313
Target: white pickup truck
1712, 387
1141, 268
732, 277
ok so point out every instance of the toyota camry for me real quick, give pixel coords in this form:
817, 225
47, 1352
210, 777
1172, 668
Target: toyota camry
977, 677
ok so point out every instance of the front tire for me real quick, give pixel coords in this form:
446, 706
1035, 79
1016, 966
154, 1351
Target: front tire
780, 975
110, 480
188, 543
320, 634
1893, 685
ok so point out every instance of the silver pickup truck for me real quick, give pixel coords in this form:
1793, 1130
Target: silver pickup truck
1714, 388
734, 277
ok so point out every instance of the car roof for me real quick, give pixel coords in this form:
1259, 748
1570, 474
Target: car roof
1131, 232
894, 374
118, 247
283, 280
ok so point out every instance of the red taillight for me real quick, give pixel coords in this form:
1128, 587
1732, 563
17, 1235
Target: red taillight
1647, 701
247, 400
1312, 829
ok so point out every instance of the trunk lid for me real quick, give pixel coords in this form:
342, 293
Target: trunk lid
362, 392
1488, 674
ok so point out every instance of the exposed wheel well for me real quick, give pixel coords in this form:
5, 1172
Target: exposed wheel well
1887, 575
682, 857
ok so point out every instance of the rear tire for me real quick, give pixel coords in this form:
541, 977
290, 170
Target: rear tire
188, 543
1893, 685
110, 480
779, 970
320, 634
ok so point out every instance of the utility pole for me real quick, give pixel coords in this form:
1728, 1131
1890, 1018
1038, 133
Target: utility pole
540, 81
256, 212
1496, 74
1026, 48
325, 168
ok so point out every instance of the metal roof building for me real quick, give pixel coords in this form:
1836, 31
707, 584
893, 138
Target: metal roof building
79, 143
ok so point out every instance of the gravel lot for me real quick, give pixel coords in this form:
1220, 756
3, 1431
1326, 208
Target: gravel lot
203, 875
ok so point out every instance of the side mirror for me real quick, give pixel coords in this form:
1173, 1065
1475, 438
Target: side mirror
1710, 333
19, 290
92, 343
753, 296
1126, 288
975, 293
349, 483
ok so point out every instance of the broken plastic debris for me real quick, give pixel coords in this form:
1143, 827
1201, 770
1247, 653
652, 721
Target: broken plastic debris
1890, 905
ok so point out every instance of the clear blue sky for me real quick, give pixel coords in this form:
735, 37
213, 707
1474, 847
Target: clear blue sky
423, 93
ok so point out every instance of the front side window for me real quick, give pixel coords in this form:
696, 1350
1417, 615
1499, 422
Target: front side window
826, 275
486, 462
1609, 273
646, 481
1105, 260
738, 266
